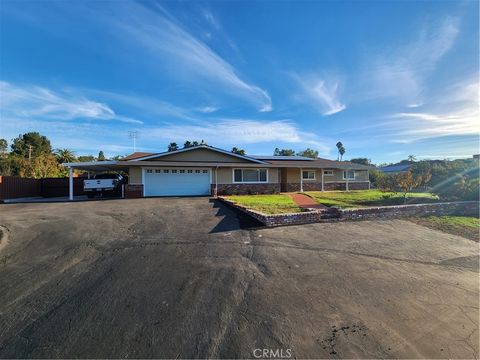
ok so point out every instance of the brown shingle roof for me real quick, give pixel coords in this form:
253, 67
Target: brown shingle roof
137, 155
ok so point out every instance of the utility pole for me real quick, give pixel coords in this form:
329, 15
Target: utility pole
133, 135
29, 153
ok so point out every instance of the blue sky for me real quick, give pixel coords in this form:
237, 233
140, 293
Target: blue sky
388, 79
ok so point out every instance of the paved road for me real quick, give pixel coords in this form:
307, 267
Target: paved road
187, 278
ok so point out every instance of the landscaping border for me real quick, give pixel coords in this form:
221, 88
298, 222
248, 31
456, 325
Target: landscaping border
465, 208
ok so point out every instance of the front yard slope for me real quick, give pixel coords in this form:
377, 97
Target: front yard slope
267, 204
363, 198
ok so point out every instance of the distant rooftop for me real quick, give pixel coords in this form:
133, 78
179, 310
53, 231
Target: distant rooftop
272, 157
395, 168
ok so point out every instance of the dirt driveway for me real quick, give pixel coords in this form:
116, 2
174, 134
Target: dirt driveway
187, 278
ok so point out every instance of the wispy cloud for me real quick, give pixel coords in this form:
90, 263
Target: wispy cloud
321, 93
44, 103
207, 109
401, 72
455, 113
242, 131
162, 34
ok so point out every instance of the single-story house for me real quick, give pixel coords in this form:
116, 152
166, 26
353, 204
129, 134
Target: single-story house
207, 170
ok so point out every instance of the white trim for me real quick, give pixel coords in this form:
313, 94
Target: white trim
195, 148
330, 174
249, 182
310, 179
87, 163
143, 181
347, 178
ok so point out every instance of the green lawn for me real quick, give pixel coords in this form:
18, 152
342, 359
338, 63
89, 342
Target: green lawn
465, 226
267, 204
362, 198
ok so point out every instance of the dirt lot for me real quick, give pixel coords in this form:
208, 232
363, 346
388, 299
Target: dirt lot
188, 278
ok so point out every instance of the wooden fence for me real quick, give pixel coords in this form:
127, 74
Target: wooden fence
12, 187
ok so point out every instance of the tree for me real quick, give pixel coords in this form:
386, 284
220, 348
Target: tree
310, 153
172, 146
101, 156
187, 144
86, 158
283, 152
341, 151
30, 145
203, 142
362, 161
195, 143
3, 146
407, 182
411, 158
65, 156
238, 151
338, 145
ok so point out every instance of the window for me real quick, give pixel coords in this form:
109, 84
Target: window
149, 171
249, 175
182, 171
158, 171
308, 175
165, 171
205, 171
328, 172
197, 171
189, 171
174, 171
349, 174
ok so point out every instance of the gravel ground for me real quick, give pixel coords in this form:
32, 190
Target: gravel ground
190, 278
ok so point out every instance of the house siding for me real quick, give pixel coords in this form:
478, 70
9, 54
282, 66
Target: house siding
203, 155
135, 175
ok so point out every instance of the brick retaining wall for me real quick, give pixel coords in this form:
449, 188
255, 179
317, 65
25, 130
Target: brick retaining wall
465, 208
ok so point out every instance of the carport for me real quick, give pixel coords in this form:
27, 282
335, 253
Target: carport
92, 166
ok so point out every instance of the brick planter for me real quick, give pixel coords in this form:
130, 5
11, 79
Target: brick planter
465, 208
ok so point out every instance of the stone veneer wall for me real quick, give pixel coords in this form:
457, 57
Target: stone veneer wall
466, 208
470, 208
246, 189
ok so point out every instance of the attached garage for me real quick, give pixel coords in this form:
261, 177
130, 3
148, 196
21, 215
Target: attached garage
176, 181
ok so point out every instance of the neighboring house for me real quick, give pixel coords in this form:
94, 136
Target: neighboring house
395, 169
206, 170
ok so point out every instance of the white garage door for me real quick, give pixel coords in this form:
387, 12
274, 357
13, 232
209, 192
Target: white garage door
176, 181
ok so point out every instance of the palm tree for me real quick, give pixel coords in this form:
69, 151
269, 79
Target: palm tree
339, 145
238, 151
172, 146
411, 158
187, 144
65, 156
341, 151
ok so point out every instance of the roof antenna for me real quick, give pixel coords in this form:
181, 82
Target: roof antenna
133, 135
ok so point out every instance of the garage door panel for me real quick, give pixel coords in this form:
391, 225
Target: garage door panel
185, 183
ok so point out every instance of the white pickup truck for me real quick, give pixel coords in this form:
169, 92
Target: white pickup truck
103, 184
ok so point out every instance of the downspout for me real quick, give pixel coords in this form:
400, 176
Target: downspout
301, 180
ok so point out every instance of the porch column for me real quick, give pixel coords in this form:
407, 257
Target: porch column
368, 176
216, 182
70, 183
346, 186
323, 180
301, 180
